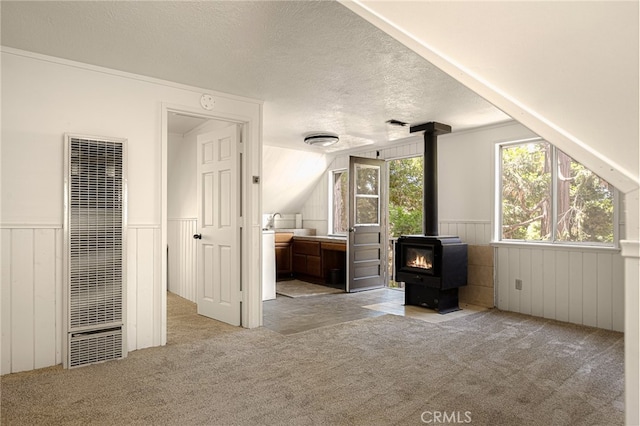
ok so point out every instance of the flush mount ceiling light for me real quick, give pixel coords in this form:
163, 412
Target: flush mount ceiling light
321, 139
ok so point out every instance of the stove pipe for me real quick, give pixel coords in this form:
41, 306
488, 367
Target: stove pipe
430, 177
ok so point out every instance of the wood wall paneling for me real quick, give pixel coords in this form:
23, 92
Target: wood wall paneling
32, 294
578, 286
5, 299
44, 297
182, 258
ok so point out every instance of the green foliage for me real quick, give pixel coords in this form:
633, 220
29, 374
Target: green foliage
584, 201
526, 192
405, 196
588, 215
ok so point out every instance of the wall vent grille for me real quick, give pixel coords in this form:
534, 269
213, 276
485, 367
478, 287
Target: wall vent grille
95, 219
91, 348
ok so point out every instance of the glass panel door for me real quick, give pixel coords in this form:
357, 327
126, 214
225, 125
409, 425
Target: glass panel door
366, 244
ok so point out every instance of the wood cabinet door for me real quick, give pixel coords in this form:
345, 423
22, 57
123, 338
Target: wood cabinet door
299, 263
314, 266
283, 258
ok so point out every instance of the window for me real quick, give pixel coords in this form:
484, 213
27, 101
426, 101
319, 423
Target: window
338, 193
405, 196
545, 195
367, 195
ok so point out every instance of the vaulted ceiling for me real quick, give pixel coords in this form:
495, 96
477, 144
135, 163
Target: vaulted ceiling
316, 65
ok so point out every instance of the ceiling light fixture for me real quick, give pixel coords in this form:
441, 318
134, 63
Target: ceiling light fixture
321, 139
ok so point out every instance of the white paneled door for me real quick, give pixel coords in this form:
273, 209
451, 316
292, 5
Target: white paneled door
218, 252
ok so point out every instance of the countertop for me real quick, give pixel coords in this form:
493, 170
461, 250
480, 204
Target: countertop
326, 238
295, 231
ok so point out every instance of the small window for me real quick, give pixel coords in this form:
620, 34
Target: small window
547, 196
338, 193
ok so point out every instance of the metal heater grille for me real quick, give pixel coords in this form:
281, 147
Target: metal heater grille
89, 348
95, 218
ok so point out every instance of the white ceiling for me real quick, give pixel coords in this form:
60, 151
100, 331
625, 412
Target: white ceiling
316, 65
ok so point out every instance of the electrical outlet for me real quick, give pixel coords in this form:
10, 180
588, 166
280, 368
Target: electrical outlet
518, 284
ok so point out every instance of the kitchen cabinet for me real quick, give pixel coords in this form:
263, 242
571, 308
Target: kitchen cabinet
306, 258
319, 259
283, 254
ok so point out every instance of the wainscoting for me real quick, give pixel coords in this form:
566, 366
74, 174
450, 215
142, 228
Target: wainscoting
182, 257
32, 294
577, 285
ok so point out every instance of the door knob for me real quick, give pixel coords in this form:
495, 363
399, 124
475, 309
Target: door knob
352, 229
197, 236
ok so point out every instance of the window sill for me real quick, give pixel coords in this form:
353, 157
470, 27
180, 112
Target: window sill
556, 246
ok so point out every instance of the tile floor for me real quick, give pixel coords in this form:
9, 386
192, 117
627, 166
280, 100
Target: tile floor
287, 315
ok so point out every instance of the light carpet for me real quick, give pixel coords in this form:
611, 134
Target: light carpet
491, 367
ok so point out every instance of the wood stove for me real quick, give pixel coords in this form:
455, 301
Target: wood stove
432, 267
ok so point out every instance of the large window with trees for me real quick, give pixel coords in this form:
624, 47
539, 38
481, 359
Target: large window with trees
405, 196
547, 196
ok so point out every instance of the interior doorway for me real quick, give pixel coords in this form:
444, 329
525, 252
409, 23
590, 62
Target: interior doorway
183, 132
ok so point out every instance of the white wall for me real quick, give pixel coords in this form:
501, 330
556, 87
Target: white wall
288, 178
42, 98
181, 185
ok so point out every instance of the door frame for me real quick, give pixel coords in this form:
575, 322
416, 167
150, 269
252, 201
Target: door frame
248, 114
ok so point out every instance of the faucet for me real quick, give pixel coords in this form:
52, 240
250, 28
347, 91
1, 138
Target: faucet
272, 218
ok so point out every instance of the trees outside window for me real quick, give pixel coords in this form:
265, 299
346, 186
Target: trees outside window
339, 202
405, 203
405, 196
548, 196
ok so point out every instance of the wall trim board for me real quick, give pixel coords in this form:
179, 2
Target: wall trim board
122, 74
31, 226
630, 248
551, 246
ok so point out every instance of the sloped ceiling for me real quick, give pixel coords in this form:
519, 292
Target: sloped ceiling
316, 65
567, 70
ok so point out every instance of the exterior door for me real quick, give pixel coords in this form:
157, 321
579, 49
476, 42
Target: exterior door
367, 233
218, 254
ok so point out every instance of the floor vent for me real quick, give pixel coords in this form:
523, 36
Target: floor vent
95, 229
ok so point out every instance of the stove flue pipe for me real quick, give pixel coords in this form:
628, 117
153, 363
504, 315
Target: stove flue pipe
430, 178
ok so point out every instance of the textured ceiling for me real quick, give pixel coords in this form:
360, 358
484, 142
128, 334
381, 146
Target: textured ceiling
316, 65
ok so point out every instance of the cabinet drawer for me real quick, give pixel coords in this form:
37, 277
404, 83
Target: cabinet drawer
334, 246
306, 247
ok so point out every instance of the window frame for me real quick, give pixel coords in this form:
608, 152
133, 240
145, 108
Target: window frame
553, 240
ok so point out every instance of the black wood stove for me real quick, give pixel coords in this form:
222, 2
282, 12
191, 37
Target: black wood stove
432, 267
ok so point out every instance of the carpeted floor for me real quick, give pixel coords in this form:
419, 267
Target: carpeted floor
492, 368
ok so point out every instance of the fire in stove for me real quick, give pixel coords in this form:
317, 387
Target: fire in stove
417, 260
